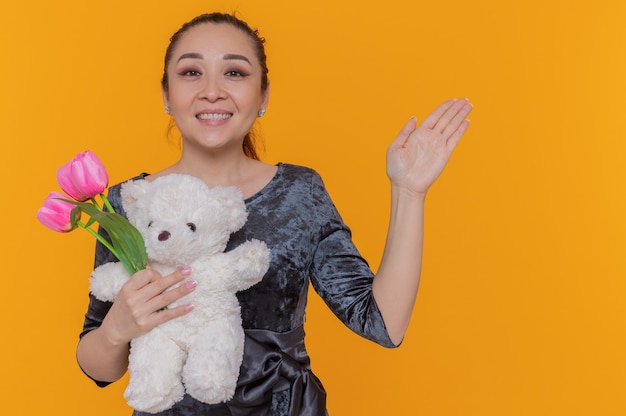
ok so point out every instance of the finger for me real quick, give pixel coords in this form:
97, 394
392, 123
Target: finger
457, 120
171, 296
449, 115
143, 278
176, 277
458, 133
150, 283
163, 283
404, 134
432, 119
159, 296
165, 315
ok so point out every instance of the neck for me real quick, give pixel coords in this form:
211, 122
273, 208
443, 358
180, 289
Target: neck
223, 168
215, 169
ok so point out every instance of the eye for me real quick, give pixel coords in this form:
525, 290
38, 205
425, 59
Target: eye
236, 73
192, 226
190, 73
150, 224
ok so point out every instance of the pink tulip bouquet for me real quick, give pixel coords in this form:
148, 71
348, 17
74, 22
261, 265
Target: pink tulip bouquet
84, 178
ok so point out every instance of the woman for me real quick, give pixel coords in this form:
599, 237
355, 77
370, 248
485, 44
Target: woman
215, 85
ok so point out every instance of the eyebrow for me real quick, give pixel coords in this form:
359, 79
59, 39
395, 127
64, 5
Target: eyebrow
237, 57
229, 56
190, 55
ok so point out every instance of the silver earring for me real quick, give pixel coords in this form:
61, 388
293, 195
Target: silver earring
167, 110
262, 112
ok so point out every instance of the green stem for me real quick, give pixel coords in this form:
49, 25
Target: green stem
107, 203
99, 238
95, 203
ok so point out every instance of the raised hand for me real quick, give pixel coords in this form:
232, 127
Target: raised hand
419, 154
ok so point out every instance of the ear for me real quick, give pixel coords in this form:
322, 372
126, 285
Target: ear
266, 97
132, 192
166, 97
232, 205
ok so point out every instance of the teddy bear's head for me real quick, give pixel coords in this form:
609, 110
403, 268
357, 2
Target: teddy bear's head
181, 218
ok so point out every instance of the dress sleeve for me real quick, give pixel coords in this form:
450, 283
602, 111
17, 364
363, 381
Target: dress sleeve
341, 276
97, 309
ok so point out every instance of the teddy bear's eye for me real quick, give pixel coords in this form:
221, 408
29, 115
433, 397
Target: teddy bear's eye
150, 224
191, 226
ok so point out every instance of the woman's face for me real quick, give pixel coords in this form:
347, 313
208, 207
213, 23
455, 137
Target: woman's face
214, 91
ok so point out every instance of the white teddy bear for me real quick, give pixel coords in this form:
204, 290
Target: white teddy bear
187, 224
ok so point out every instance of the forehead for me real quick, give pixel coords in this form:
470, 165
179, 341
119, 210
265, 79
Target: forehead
211, 39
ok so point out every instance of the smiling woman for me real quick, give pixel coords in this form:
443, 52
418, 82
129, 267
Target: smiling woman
214, 89
214, 86
255, 42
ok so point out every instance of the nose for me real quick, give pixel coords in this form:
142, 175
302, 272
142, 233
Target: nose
212, 89
164, 235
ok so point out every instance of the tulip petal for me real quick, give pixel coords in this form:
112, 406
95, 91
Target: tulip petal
56, 214
64, 178
83, 177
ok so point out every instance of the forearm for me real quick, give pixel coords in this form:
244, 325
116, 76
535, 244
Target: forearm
396, 283
101, 358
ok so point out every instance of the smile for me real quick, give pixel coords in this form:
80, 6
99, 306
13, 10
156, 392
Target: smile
213, 116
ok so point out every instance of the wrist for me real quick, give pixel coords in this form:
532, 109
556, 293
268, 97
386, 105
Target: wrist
110, 337
404, 193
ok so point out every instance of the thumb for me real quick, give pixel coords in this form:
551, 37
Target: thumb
404, 134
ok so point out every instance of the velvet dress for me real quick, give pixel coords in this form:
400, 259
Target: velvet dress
294, 215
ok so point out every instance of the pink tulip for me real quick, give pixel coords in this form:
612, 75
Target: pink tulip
83, 177
57, 214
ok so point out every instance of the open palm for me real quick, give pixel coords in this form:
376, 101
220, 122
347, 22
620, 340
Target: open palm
419, 154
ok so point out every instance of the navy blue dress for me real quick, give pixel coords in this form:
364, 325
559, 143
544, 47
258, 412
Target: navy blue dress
294, 215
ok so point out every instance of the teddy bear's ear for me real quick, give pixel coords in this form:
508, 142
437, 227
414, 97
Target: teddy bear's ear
232, 203
133, 191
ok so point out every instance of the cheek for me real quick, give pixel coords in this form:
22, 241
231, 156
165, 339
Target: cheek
180, 93
149, 234
247, 90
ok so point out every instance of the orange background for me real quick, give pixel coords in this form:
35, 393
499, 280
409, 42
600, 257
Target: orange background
521, 309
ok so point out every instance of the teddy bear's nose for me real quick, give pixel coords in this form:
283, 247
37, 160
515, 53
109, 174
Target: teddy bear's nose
164, 235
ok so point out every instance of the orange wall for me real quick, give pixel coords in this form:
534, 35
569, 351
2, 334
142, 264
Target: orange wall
521, 309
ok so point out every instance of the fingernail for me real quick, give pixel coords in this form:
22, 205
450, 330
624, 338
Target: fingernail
188, 308
191, 284
186, 271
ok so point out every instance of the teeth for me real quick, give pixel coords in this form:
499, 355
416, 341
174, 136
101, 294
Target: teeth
213, 116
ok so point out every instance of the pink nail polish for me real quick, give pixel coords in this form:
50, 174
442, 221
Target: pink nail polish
191, 284
186, 271
188, 308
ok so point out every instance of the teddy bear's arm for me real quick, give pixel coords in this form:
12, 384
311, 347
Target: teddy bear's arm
247, 264
107, 280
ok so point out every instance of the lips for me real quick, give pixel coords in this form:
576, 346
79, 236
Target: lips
213, 116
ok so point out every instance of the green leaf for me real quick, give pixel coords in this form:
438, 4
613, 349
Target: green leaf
90, 222
125, 238
74, 217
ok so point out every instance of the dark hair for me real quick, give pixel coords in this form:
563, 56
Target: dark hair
258, 42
